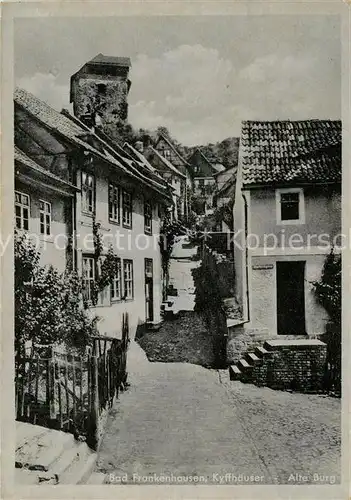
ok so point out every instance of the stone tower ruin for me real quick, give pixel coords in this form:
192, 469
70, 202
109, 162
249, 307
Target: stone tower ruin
99, 91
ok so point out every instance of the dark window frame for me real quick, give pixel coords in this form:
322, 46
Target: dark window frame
87, 207
129, 280
127, 208
114, 203
45, 217
148, 213
24, 211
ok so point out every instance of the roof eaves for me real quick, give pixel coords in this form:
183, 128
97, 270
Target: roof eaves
22, 158
168, 164
169, 142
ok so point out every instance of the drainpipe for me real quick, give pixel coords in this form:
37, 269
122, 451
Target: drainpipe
74, 233
246, 259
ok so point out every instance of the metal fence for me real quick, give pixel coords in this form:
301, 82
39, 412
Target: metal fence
69, 392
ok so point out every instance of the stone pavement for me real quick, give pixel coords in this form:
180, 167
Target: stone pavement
180, 274
176, 419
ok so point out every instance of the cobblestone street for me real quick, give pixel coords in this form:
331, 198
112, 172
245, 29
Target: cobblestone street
183, 419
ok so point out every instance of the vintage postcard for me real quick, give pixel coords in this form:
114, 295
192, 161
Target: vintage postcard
174, 230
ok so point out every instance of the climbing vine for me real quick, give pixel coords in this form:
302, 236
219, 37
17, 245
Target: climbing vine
105, 269
328, 288
48, 303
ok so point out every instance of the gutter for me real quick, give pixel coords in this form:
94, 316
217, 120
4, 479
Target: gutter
246, 261
79, 143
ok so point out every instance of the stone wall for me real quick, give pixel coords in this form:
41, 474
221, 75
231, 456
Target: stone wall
241, 339
295, 365
111, 105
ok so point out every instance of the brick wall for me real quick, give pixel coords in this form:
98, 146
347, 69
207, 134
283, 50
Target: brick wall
241, 339
297, 366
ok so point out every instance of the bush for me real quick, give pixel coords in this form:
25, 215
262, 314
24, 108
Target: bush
48, 304
328, 293
328, 288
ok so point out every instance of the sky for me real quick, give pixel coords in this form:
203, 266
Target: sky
199, 76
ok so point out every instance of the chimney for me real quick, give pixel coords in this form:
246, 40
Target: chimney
139, 146
146, 140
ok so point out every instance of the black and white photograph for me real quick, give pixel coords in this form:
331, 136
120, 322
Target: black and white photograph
177, 242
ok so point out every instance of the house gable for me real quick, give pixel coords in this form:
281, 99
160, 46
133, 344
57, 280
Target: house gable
291, 152
168, 150
200, 165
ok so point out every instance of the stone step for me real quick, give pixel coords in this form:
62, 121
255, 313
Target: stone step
234, 372
244, 365
39, 452
24, 477
261, 351
81, 470
252, 358
153, 326
68, 459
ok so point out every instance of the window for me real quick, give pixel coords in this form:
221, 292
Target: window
149, 268
116, 285
114, 203
127, 209
290, 206
88, 193
128, 279
148, 217
167, 154
88, 278
22, 210
45, 217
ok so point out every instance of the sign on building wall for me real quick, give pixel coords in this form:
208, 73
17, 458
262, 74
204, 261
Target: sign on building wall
262, 266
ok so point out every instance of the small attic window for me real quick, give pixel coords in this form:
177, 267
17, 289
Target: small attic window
101, 88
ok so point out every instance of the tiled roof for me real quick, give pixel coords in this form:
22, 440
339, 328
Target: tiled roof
138, 156
291, 152
21, 157
111, 60
172, 146
49, 116
72, 129
166, 162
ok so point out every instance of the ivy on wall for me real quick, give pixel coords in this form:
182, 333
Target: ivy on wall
106, 268
48, 303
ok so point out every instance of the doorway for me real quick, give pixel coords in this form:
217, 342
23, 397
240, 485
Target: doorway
291, 298
149, 290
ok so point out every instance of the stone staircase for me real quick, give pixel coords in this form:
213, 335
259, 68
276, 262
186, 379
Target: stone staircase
243, 369
283, 364
46, 456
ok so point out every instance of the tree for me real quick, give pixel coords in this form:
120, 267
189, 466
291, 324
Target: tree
48, 304
328, 288
328, 293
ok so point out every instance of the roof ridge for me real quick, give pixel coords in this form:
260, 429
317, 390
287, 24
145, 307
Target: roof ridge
167, 162
111, 155
173, 147
295, 151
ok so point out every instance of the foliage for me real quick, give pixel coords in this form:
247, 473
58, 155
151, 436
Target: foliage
328, 293
209, 303
328, 288
224, 152
105, 269
48, 303
224, 214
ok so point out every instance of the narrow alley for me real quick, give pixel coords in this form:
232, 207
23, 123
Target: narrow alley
182, 420
185, 422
